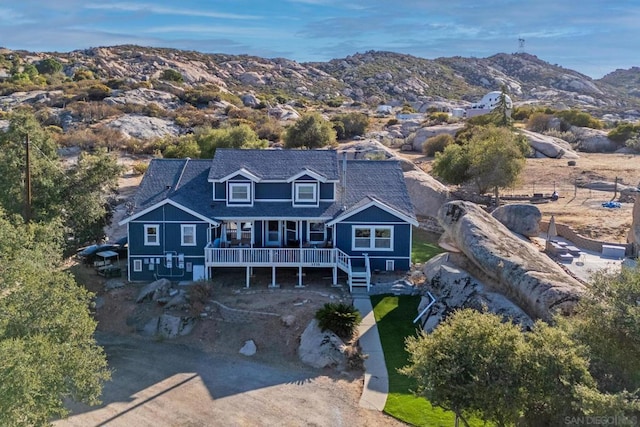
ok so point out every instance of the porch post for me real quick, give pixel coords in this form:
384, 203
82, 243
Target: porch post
299, 285
273, 277
248, 277
335, 275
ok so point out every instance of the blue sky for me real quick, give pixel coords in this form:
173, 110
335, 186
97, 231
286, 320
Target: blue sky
591, 36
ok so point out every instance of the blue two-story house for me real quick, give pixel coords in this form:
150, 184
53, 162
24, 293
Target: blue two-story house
269, 208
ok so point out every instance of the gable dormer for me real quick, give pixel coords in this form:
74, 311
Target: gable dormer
237, 188
305, 188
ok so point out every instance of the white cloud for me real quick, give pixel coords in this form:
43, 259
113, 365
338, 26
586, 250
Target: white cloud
152, 8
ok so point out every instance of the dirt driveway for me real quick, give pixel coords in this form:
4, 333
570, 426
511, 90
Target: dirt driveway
165, 384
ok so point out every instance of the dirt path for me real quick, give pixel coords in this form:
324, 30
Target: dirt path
164, 384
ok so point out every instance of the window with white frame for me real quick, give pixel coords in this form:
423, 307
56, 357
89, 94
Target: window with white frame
372, 238
239, 192
305, 192
137, 265
151, 234
317, 232
188, 234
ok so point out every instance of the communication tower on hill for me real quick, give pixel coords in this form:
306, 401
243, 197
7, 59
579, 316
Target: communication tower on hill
520, 45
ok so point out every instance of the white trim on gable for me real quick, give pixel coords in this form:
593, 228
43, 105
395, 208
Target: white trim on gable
379, 204
172, 203
242, 171
309, 172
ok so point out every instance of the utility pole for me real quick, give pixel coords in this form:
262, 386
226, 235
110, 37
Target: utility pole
27, 183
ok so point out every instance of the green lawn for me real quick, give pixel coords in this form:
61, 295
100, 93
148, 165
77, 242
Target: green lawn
394, 316
424, 245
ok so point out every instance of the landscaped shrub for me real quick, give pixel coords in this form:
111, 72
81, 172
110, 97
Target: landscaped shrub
340, 318
139, 168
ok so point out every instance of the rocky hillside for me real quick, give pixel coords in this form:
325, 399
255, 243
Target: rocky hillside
371, 77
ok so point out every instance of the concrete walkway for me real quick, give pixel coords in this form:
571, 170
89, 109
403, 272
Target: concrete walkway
376, 380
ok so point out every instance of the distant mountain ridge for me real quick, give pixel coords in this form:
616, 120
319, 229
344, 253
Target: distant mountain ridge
372, 77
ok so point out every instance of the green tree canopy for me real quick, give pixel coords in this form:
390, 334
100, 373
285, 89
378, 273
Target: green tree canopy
47, 348
608, 323
310, 131
475, 363
350, 124
492, 158
241, 136
49, 66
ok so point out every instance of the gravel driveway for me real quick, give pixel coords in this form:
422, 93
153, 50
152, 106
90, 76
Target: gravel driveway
164, 384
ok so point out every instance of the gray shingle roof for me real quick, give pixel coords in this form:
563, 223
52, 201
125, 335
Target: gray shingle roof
274, 164
186, 182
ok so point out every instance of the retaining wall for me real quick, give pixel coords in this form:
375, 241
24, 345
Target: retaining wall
594, 245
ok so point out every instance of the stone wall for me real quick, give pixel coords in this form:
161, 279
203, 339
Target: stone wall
593, 245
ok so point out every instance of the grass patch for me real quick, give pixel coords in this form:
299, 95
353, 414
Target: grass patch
424, 245
394, 316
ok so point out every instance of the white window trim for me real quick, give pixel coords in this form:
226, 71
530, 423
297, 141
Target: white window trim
324, 232
296, 193
147, 227
231, 199
137, 265
183, 227
372, 238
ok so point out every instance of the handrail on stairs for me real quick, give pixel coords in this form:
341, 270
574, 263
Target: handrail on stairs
433, 300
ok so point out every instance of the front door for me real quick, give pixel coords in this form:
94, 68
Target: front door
273, 233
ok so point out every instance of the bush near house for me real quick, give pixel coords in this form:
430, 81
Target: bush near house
341, 319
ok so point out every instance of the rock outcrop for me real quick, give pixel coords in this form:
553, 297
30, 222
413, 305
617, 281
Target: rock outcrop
520, 218
549, 146
593, 140
425, 133
169, 326
321, 349
455, 288
520, 272
154, 290
143, 127
427, 194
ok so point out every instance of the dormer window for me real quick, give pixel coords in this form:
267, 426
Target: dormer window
239, 192
305, 194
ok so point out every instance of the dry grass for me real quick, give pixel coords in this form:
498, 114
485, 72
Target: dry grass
580, 208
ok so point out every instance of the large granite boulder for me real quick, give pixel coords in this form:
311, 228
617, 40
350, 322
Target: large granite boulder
455, 288
520, 272
169, 326
549, 146
321, 349
154, 290
425, 133
427, 193
520, 218
593, 140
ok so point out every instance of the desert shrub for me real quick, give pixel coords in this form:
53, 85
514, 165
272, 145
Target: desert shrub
49, 66
83, 74
171, 75
408, 108
570, 137
139, 168
437, 144
340, 318
98, 92
334, 102
634, 143
623, 132
392, 122
579, 118
439, 117
270, 129
538, 122
522, 113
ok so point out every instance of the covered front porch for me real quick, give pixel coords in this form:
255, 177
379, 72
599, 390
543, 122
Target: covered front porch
275, 233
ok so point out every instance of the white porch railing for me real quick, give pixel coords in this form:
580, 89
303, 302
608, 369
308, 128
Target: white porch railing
267, 257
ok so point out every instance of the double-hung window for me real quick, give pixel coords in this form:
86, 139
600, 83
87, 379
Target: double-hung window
151, 234
317, 232
188, 233
372, 238
305, 192
239, 192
